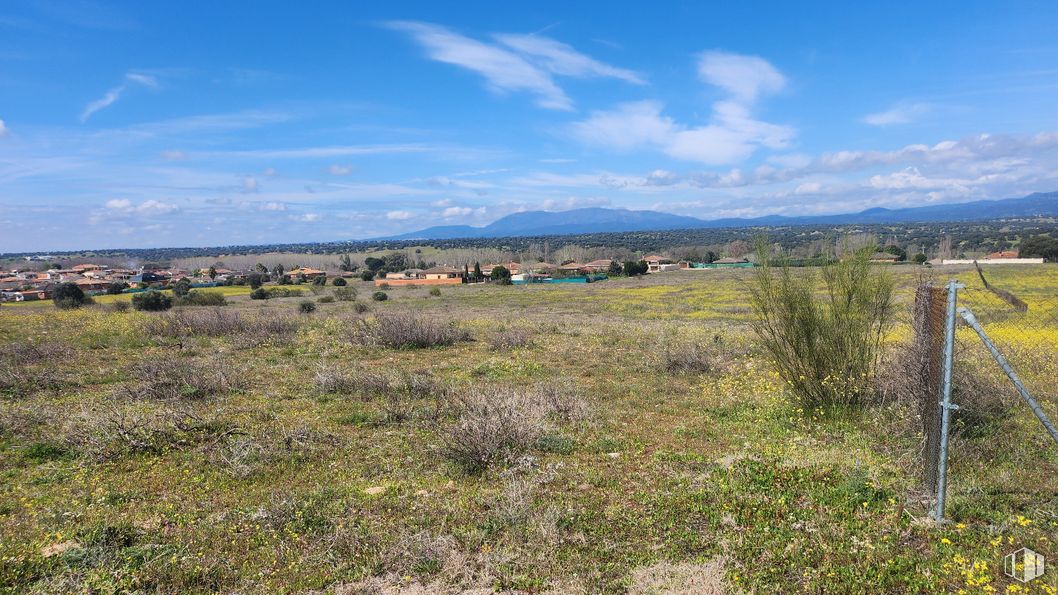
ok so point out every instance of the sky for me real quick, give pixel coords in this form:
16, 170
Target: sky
150, 124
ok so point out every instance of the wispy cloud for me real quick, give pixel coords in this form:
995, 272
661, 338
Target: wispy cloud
3, 129
732, 133
518, 63
148, 207
111, 96
339, 170
562, 59
902, 113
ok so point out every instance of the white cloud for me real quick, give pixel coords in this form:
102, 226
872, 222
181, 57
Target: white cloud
630, 125
144, 79
519, 63
3, 129
270, 172
273, 206
111, 96
339, 170
249, 184
732, 133
444, 202
307, 217
562, 59
744, 77
898, 114
103, 102
451, 212
148, 207
174, 155
399, 215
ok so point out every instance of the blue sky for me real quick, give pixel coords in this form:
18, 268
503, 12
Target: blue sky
173, 124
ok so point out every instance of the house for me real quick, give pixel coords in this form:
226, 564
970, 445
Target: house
1003, 254
443, 272
406, 274
438, 275
572, 267
81, 268
308, 273
599, 266
656, 263
87, 284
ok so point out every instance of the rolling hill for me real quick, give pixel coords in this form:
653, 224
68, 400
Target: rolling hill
602, 220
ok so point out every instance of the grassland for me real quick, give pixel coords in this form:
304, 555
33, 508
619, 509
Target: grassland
269, 468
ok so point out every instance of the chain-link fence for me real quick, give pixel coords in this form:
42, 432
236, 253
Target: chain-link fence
989, 354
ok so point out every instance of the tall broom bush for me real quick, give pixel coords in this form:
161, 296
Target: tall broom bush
824, 329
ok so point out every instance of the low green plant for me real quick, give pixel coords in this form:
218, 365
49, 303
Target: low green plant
307, 307
435, 291
380, 296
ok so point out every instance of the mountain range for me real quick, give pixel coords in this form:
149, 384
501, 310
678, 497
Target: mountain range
603, 220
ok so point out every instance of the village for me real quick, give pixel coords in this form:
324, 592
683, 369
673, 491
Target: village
25, 284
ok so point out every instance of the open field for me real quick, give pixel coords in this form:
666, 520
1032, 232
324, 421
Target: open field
648, 443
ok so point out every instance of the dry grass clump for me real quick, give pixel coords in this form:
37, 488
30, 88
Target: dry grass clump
406, 331
495, 425
242, 454
397, 393
27, 367
113, 429
685, 357
206, 322
247, 331
159, 379
666, 578
508, 339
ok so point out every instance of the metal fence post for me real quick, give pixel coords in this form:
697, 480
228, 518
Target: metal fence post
1003, 363
945, 403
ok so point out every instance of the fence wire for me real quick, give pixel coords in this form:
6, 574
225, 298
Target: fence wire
1019, 313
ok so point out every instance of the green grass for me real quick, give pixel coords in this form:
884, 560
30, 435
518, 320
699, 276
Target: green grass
277, 488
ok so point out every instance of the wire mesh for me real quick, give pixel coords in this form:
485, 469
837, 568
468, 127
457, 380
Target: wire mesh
1018, 310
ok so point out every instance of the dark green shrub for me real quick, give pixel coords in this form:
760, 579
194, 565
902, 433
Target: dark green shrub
181, 288
435, 291
379, 296
68, 296
255, 280
260, 294
116, 287
360, 307
152, 301
325, 299
367, 275
499, 273
200, 298
339, 282
345, 294
307, 307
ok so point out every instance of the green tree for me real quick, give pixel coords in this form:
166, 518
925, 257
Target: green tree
339, 282
277, 272
477, 272
919, 258
152, 301
68, 296
116, 287
212, 273
615, 268
260, 268
255, 280
1039, 247
181, 288
499, 273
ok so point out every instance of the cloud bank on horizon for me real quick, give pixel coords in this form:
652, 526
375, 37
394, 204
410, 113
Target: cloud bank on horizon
129, 126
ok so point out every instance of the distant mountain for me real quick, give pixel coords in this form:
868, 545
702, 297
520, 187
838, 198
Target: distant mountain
601, 220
